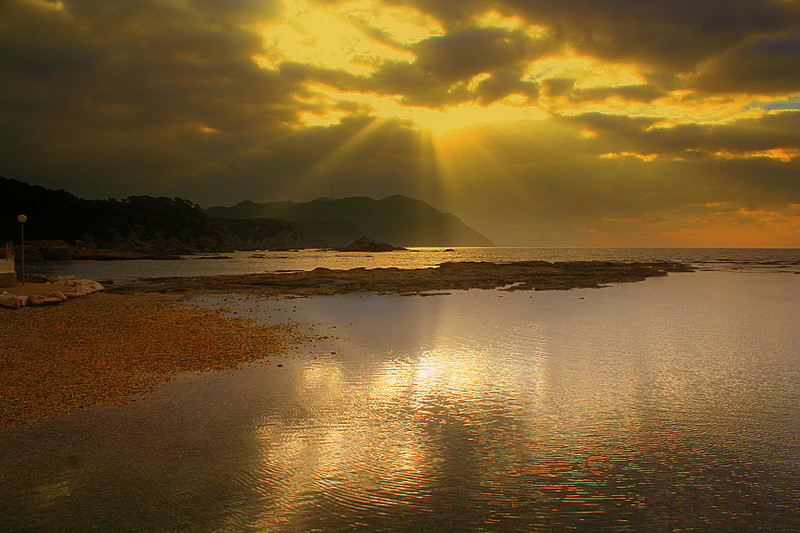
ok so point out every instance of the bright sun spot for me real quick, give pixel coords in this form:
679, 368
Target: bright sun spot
337, 38
438, 122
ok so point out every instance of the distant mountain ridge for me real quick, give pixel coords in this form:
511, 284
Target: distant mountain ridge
154, 225
165, 226
397, 219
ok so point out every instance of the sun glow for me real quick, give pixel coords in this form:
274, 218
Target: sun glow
437, 121
722, 225
466, 116
349, 42
587, 73
353, 37
352, 63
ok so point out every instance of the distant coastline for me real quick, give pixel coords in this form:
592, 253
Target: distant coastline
61, 226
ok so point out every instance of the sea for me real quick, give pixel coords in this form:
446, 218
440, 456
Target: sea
254, 262
663, 405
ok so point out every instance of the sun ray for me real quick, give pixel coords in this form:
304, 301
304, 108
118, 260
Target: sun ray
314, 177
429, 169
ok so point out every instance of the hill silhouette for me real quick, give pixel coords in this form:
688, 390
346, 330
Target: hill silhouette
397, 219
154, 225
161, 226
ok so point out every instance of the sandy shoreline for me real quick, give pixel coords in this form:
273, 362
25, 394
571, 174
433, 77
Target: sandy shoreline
108, 347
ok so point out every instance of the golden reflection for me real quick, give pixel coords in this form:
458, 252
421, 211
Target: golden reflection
385, 403
493, 391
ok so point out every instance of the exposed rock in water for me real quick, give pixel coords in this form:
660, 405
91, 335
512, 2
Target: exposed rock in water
368, 245
528, 275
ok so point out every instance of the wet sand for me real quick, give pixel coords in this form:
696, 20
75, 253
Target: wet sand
529, 275
108, 348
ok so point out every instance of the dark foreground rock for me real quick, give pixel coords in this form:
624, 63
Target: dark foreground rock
529, 275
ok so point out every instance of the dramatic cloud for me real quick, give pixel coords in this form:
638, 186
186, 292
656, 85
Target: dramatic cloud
673, 34
762, 66
615, 122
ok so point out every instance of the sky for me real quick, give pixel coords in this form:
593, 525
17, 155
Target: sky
670, 123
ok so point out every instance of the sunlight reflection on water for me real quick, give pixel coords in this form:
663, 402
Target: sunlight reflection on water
272, 261
660, 405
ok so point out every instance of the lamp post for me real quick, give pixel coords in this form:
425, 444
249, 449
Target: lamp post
22, 219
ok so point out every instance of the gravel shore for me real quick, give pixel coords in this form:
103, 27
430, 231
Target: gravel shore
107, 348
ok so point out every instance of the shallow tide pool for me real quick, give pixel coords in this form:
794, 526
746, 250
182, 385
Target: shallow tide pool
668, 404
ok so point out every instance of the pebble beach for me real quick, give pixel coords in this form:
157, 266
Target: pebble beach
107, 349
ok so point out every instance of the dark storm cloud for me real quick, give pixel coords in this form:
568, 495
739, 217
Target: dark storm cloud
361, 153
628, 93
118, 97
415, 86
565, 87
763, 66
36, 41
673, 34
558, 197
443, 66
463, 53
502, 84
776, 130
394, 78
140, 83
554, 198
616, 125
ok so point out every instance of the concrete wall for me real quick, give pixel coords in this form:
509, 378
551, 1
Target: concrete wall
8, 279
6, 264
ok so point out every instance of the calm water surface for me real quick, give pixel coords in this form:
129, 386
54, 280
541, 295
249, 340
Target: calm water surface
665, 405
270, 261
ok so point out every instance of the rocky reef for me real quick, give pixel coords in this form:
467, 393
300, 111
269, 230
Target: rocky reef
528, 275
